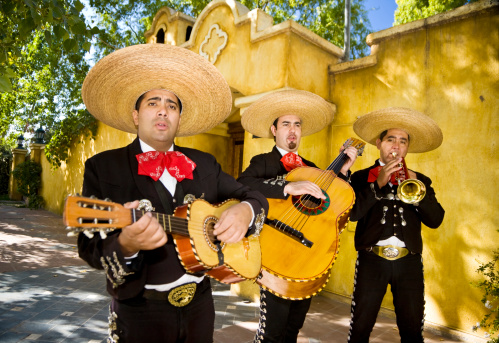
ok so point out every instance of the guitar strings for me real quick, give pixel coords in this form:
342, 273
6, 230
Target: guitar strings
182, 225
298, 219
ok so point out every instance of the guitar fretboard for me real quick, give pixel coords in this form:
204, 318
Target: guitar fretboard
170, 224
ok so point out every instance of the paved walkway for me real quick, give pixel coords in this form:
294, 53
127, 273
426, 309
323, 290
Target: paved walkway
47, 294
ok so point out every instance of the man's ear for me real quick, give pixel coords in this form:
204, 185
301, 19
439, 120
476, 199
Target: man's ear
135, 115
378, 143
273, 129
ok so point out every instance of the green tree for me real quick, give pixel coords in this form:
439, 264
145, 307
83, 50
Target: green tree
42, 64
47, 48
411, 10
59, 21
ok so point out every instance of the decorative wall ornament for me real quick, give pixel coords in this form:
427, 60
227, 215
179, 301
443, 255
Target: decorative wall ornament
213, 44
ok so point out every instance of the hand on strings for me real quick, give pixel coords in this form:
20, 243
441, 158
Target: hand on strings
145, 234
233, 223
351, 152
304, 187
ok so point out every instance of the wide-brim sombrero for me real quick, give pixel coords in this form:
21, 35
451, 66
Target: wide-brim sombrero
113, 85
314, 112
424, 133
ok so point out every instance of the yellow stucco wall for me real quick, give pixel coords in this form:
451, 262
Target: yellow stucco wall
448, 68
445, 66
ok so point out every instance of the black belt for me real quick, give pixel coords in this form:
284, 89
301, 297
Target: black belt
179, 296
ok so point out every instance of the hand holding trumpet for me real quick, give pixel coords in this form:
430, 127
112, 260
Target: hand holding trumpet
394, 166
388, 169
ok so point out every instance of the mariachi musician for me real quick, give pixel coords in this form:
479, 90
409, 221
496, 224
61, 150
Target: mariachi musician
391, 204
285, 116
159, 92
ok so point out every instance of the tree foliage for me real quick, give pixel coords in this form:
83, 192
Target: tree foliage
42, 64
60, 22
411, 10
48, 46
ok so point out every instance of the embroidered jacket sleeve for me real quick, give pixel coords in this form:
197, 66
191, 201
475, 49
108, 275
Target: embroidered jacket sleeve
106, 253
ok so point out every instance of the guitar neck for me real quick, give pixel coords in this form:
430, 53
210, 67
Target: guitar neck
170, 223
338, 163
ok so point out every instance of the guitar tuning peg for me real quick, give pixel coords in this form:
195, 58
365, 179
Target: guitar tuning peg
71, 234
88, 234
145, 205
103, 235
108, 200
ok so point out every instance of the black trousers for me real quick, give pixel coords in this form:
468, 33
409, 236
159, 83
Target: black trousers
372, 276
280, 319
141, 320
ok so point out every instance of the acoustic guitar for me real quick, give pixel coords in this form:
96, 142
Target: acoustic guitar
300, 238
191, 226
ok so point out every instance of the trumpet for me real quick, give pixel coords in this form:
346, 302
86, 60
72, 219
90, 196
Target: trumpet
409, 191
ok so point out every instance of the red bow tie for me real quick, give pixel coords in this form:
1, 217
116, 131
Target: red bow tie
374, 172
292, 161
153, 164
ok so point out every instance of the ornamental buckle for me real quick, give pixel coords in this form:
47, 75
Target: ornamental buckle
182, 295
391, 252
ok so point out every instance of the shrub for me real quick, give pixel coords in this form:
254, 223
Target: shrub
490, 299
28, 178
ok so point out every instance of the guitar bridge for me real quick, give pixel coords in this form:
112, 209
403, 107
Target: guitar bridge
290, 232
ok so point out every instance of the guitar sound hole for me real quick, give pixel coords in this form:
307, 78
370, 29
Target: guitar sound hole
310, 201
310, 205
210, 238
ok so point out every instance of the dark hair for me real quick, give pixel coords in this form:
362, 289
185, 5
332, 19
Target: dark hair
139, 101
383, 134
275, 124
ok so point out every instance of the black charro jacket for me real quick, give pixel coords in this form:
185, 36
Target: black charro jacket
113, 174
368, 211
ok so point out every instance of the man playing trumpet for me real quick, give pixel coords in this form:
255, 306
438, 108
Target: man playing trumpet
388, 234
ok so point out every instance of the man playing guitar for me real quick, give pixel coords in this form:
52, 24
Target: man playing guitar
286, 116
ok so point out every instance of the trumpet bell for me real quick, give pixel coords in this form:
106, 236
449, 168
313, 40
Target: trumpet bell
411, 191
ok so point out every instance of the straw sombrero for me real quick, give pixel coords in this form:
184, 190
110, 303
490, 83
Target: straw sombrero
424, 133
114, 84
315, 112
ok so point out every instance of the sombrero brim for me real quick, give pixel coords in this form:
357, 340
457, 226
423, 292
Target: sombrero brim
114, 84
314, 112
424, 133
